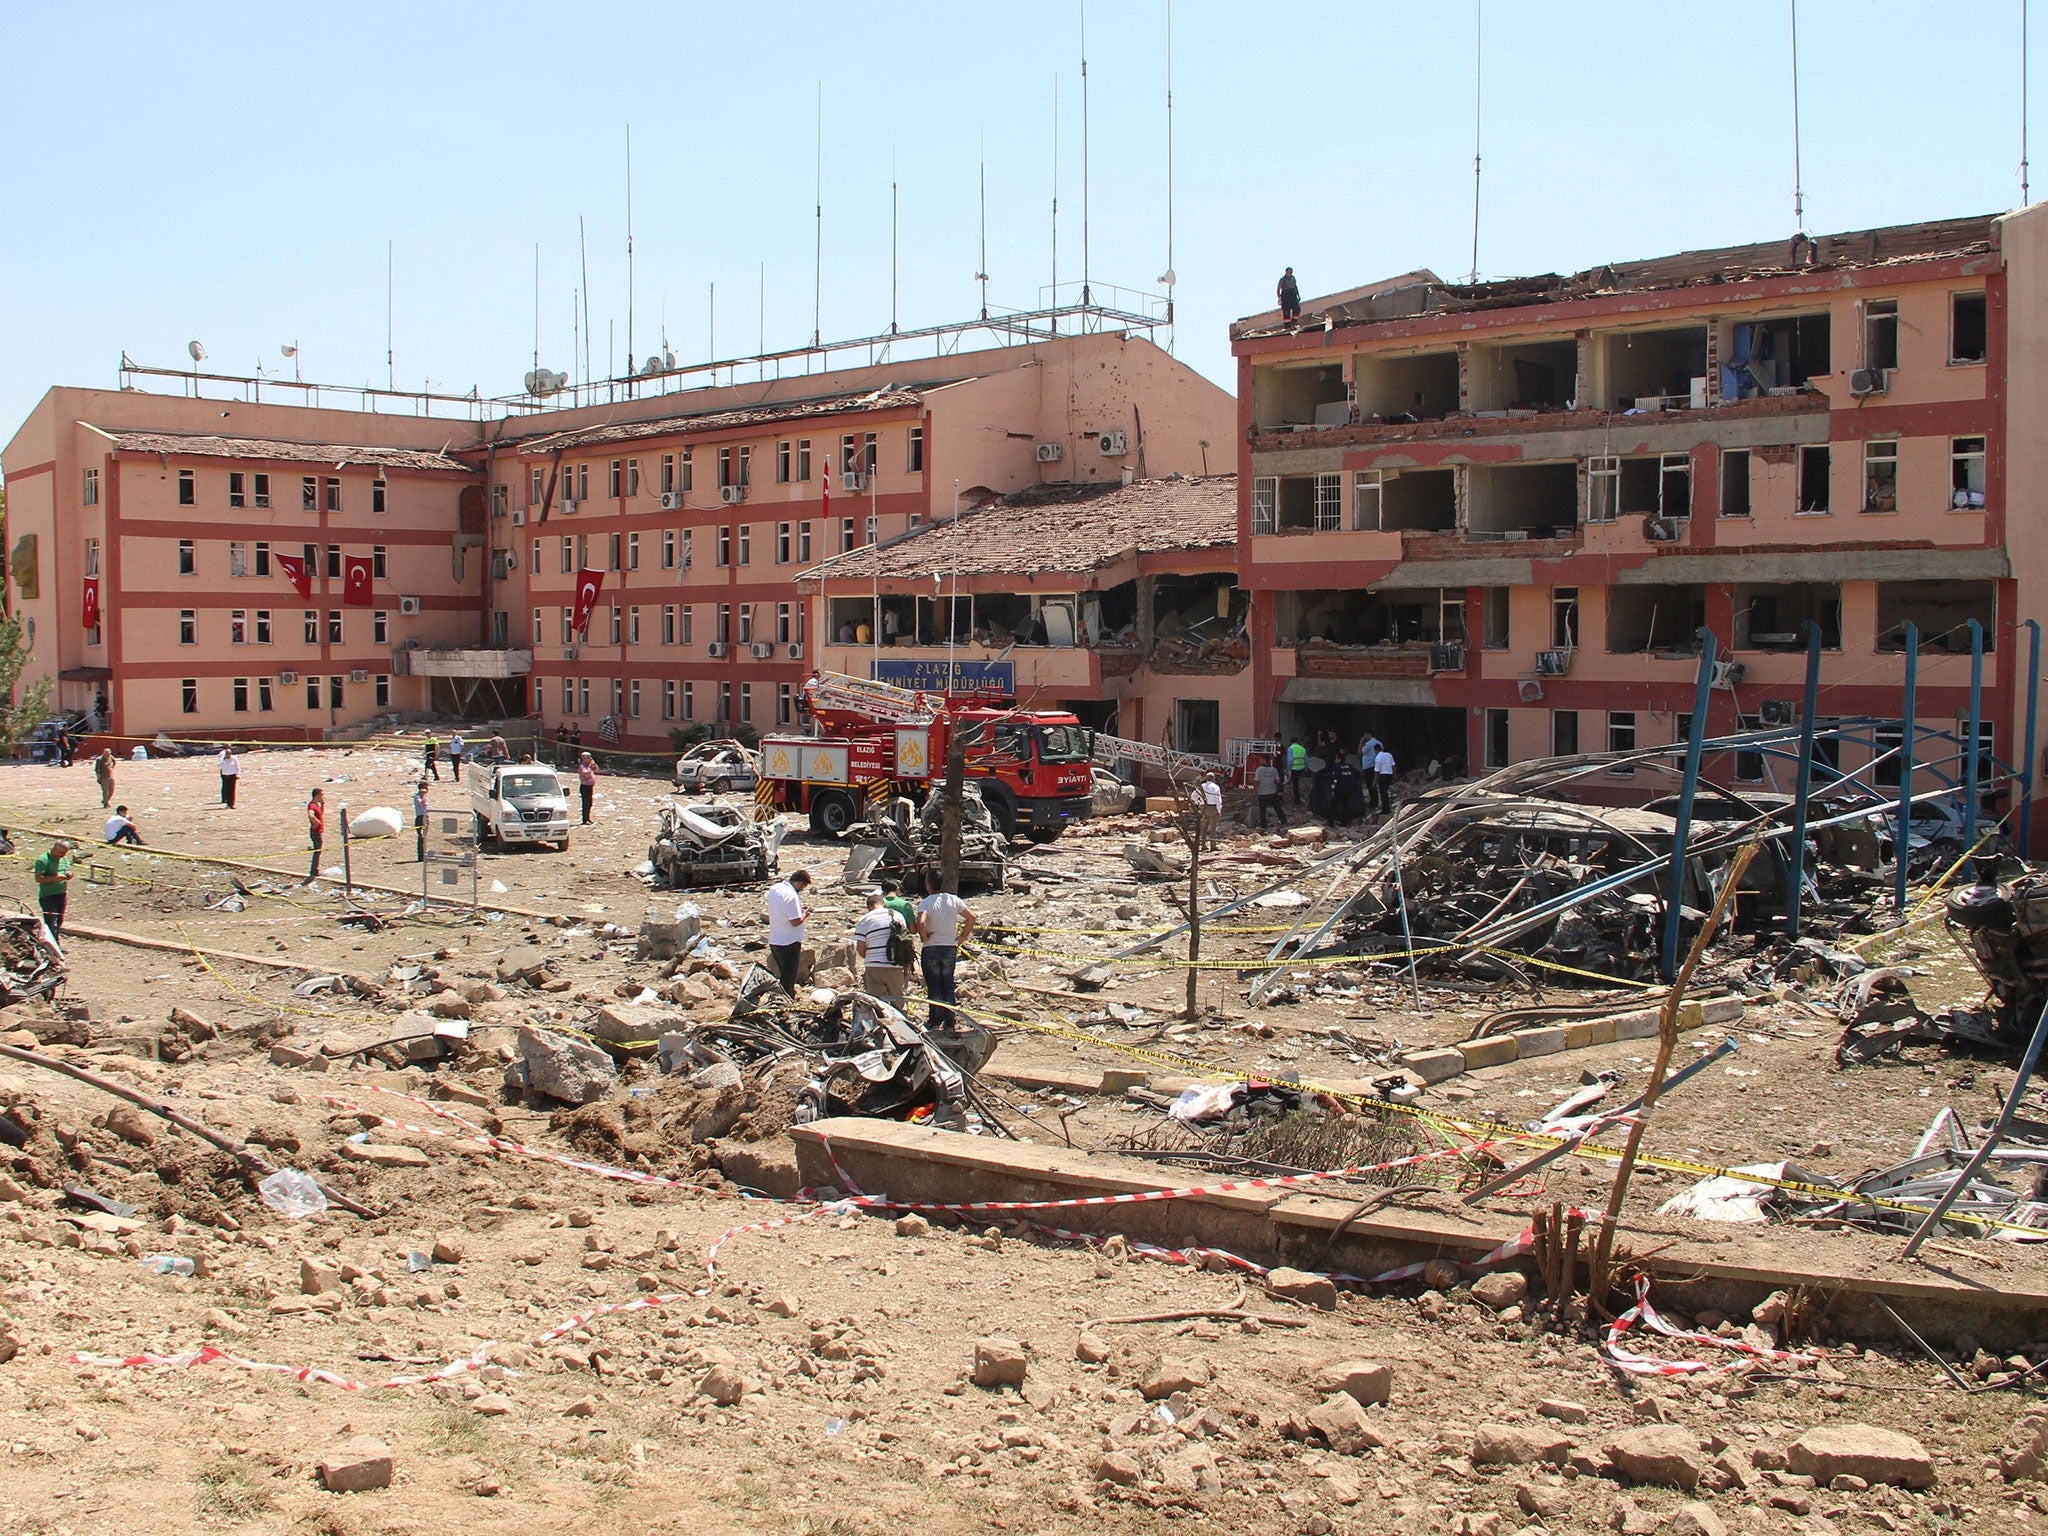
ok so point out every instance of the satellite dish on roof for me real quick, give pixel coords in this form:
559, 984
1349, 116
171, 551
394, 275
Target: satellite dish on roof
543, 381
288, 350
195, 351
651, 366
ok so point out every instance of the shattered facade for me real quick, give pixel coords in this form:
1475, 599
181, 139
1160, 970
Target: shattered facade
1489, 520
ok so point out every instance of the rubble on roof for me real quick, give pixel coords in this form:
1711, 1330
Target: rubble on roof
338, 455
889, 397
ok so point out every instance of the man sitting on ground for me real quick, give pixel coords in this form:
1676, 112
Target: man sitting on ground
120, 829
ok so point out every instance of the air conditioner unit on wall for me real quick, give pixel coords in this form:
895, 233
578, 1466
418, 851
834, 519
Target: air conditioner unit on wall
1661, 530
1111, 444
408, 605
568, 505
287, 678
1529, 689
1728, 673
796, 651
571, 652
1869, 381
1778, 712
853, 481
519, 517
359, 675
671, 501
732, 495
1553, 663
717, 650
762, 649
1051, 453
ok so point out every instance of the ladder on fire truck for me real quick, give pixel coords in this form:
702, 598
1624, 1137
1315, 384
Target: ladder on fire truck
1109, 750
881, 702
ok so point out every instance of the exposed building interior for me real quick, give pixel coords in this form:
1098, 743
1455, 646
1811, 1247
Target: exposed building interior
1417, 386
1309, 396
1771, 616
1354, 616
1665, 366
1942, 610
1522, 375
1661, 620
1536, 501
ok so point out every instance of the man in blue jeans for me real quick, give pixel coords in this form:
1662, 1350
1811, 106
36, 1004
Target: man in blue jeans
944, 922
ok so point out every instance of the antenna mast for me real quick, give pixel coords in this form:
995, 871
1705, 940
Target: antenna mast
2023, 103
818, 253
1798, 179
536, 307
1478, 63
761, 351
583, 247
1084, 158
712, 339
629, 258
1169, 277
981, 272
892, 242
390, 370
1053, 320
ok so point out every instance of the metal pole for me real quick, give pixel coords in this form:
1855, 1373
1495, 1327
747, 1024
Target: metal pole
1991, 1138
1970, 748
1674, 898
347, 894
1805, 783
1401, 889
1901, 835
2033, 709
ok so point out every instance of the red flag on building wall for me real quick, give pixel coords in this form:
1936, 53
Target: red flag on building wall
92, 602
587, 584
295, 572
355, 581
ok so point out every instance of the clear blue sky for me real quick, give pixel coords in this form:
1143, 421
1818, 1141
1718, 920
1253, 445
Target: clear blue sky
232, 173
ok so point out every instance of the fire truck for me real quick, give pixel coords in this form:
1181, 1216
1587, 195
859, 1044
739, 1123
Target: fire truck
876, 741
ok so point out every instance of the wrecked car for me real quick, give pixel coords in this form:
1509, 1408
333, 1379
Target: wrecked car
901, 842
709, 843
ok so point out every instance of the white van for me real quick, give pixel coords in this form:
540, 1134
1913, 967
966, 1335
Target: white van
518, 803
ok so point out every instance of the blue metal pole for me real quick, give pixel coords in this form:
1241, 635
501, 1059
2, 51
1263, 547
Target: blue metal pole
2033, 707
1805, 785
1902, 834
1970, 749
1674, 896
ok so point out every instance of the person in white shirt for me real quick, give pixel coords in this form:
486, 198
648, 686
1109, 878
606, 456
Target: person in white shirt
786, 916
455, 751
120, 829
1383, 779
877, 927
230, 776
944, 922
1266, 778
1209, 796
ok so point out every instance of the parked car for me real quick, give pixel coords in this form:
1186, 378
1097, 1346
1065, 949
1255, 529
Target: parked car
41, 745
715, 767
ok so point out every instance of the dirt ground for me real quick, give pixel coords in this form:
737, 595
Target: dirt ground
842, 1343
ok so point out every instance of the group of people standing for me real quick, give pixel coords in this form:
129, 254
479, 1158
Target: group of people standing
924, 926
1359, 782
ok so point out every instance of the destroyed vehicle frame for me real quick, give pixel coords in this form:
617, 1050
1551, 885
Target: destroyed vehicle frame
709, 843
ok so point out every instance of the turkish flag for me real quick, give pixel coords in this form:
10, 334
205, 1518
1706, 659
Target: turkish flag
827, 512
295, 572
355, 581
587, 584
92, 602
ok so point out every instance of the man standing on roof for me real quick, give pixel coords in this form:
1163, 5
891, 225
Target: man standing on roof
1289, 293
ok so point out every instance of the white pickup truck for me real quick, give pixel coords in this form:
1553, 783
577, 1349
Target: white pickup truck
518, 803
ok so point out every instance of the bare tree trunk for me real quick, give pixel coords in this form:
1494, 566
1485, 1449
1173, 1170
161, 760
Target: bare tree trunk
1188, 811
949, 806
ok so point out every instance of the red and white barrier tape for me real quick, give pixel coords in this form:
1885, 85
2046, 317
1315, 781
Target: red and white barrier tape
1650, 1365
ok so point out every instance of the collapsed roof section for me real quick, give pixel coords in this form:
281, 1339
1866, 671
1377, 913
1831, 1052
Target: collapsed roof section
1423, 293
282, 450
1066, 528
889, 397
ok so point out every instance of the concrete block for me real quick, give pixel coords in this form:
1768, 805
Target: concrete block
1494, 1051
1722, 1010
1116, 1079
1540, 1042
1433, 1066
1580, 1034
1636, 1026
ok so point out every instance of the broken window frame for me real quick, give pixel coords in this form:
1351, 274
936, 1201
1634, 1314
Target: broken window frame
1881, 333
1674, 467
1621, 737
1810, 506
1880, 476
1967, 465
1496, 753
1730, 458
1603, 488
1497, 604
1265, 504
1329, 503
1957, 357
1368, 488
1564, 618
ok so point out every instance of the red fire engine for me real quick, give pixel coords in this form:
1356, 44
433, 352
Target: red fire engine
877, 741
